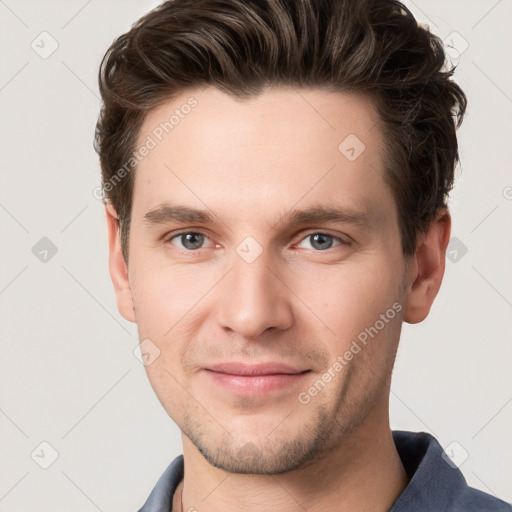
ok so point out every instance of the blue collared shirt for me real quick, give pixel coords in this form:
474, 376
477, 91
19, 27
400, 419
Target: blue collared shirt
434, 486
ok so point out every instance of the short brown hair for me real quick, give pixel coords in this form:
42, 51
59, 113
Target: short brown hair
242, 46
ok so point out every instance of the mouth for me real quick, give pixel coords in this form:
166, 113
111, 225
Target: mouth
255, 379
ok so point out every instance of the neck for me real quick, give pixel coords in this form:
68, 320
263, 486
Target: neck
364, 472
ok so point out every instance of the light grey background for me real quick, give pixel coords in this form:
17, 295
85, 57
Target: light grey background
68, 374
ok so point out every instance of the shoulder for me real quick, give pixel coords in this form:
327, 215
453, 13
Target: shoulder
473, 500
436, 484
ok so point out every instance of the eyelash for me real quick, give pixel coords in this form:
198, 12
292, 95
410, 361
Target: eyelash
341, 241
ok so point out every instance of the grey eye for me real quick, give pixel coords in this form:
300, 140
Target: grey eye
191, 240
321, 241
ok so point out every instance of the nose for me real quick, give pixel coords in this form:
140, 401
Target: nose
253, 298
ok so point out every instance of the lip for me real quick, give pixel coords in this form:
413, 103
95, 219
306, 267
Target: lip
254, 379
270, 368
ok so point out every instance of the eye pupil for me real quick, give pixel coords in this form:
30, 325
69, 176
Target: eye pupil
192, 240
318, 239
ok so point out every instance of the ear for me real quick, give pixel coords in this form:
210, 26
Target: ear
426, 268
117, 266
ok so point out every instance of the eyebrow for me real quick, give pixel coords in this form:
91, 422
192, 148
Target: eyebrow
167, 213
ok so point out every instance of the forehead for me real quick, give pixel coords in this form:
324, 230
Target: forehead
281, 147
210, 116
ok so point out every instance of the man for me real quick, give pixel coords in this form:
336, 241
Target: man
276, 176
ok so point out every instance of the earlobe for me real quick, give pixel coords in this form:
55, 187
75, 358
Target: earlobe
117, 266
426, 268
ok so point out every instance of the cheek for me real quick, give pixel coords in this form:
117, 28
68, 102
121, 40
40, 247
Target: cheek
345, 299
164, 295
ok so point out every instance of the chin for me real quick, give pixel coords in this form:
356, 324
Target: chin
278, 452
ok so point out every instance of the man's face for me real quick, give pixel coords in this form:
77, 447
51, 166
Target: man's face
261, 284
